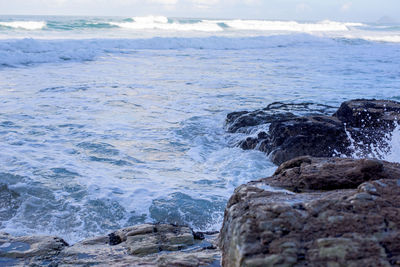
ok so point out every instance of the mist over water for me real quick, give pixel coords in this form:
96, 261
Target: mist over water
109, 122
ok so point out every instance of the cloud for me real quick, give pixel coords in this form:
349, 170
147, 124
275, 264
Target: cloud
346, 7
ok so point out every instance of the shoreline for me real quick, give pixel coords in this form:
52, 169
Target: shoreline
312, 211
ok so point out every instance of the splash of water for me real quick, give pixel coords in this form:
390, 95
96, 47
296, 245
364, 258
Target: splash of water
388, 148
394, 142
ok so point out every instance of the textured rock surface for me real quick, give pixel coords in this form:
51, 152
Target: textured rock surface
142, 245
355, 226
319, 136
372, 113
29, 249
308, 173
277, 111
368, 122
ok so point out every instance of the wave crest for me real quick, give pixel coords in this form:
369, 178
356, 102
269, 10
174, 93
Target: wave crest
163, 23
25, 25
151, 19
291, 26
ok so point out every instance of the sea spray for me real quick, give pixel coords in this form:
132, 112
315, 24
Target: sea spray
385, 148
394, 144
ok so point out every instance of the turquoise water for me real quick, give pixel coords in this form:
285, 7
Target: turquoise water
104, 126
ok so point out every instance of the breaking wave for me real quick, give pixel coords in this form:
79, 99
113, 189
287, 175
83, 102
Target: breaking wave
173, 24
25, 25
293, 26
163, 23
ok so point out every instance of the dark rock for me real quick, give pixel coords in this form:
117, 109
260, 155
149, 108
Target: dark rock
359, 127
114, 239
319, 136
369, 122
354, 226
277, 111
363, 113
244, 119
198, 235
308, 173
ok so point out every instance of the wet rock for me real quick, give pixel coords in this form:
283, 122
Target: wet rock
277, 111
363, 113
147, 244
163, 237
370, 123
307, 173
319, 136
243, 119
29, 249
114, 239
353, 226
141, 245
358, 127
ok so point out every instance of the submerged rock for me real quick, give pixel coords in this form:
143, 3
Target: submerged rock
141, 245
356, 225
358, 127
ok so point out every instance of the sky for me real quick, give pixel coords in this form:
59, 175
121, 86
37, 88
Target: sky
340, 10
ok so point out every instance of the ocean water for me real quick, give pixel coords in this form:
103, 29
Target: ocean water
107, 122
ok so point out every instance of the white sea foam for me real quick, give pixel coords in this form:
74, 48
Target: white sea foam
384, 38
162, 23
394, 143
158, 23
26, 25
388, 149
292, 26
30, 51
161, 26
150, 19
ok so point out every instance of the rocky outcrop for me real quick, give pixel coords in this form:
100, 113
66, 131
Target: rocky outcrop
319, 136
375, 114
141, 245
307, 173
277, 111
357, 127
346, 214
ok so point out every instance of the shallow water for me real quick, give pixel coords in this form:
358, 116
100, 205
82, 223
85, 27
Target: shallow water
132, 130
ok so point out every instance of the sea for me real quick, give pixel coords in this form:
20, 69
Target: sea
107, 122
